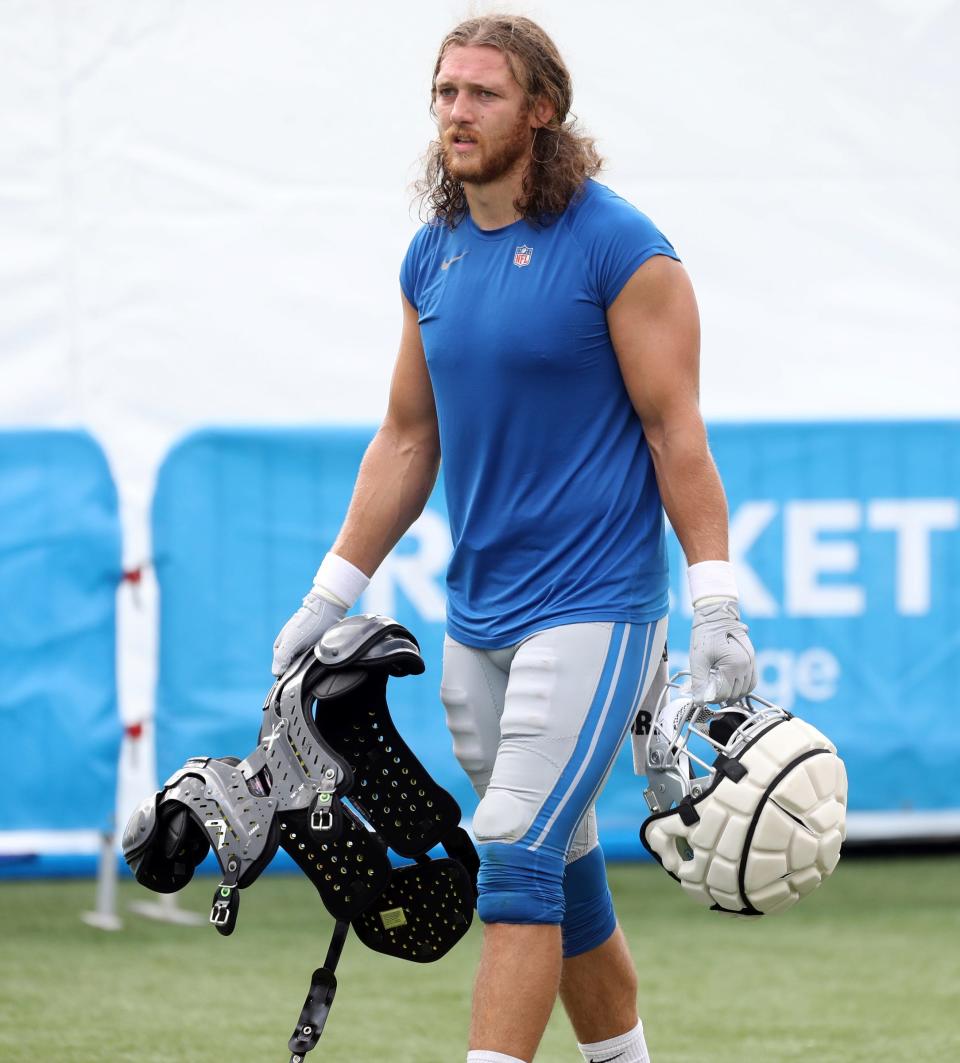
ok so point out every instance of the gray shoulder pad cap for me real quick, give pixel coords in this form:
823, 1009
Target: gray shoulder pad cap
140, 828
370, 641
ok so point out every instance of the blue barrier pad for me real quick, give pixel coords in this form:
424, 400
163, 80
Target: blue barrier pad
59, 569
241, 519
847, 540
846, 537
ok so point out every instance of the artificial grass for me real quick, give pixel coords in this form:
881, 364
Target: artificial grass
867, 968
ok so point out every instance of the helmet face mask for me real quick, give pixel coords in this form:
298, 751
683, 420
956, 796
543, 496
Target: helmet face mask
686, 738
748, 802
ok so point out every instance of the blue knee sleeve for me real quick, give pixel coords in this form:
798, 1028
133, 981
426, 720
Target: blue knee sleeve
589, 919
519, 885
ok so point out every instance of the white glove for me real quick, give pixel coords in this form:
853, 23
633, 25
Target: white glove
336, 586
306, 627
722, 660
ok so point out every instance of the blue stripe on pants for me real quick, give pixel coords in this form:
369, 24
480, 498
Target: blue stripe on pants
600, 738
522, 881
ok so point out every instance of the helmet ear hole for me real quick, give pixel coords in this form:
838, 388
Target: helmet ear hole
683, 848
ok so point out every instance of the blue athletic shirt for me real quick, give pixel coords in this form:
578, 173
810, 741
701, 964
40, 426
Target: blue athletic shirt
554, 510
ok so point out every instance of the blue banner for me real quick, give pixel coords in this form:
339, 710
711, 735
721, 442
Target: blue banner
59, 569
846, 540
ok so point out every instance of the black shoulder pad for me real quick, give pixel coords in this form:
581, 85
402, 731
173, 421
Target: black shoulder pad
334, 683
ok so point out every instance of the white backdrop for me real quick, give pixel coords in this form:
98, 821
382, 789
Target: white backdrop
203, 207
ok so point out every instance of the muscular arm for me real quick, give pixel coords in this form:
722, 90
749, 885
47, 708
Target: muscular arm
655, 329
400, 466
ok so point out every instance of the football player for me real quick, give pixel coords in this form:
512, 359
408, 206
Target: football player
550, 353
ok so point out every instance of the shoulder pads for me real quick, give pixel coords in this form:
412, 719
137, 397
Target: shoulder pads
326, 735
369, 641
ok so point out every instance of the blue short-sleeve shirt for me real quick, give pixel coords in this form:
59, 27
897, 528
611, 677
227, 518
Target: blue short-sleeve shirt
554, 510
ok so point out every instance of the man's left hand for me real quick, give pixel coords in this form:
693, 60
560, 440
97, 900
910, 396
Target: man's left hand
722, 659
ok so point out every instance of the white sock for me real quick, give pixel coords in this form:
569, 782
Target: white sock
627, 1048
479, 1055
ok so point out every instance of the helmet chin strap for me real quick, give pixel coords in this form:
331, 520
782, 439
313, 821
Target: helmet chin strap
326, 734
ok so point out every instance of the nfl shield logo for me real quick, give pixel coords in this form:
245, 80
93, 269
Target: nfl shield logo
522, 255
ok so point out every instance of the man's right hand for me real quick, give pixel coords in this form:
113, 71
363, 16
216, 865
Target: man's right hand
305, 628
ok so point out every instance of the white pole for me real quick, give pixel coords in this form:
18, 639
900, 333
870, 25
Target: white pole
165, 910
105, 917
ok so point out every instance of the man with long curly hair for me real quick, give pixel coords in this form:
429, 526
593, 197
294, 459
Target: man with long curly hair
550, 352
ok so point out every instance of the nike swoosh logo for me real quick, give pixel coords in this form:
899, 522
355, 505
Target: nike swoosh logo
607, 1059
448, 262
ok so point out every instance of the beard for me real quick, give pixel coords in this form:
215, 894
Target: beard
490, 160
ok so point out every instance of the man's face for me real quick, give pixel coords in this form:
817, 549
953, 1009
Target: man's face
486, 128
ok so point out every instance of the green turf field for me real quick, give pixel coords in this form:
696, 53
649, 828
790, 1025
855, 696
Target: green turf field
867, 969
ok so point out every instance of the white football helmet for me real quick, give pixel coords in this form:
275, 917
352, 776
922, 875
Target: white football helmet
748, 802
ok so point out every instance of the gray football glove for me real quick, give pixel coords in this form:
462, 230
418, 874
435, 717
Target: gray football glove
722, 660
305, 628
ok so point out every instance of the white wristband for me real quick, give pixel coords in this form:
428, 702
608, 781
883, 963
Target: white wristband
338, 577
711, 579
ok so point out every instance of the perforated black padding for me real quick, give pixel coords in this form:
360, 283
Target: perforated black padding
391, 788
348, 873
424, 911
